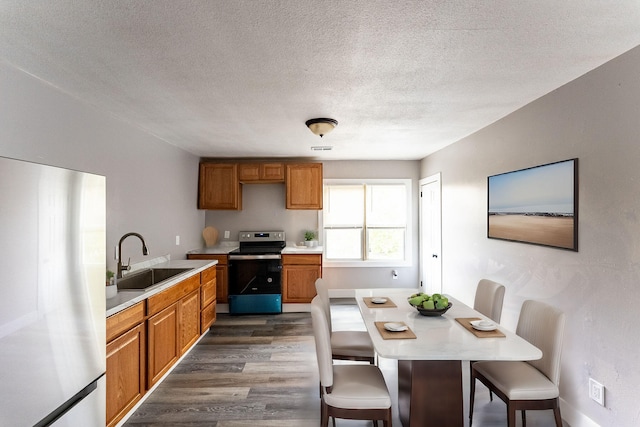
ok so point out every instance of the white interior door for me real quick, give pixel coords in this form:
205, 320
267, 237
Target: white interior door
430, 235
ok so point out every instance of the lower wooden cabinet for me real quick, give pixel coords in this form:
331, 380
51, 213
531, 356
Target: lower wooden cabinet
125, 373
222, 274
189, 325
145, 340
164, 349
299, 275
126, 362
208, 294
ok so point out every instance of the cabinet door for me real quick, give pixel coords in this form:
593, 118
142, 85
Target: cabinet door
272, 172
298, 282
125, 373
304, 185
257, 173
219, 187
163, 346
222, 283
189, 320
249, 172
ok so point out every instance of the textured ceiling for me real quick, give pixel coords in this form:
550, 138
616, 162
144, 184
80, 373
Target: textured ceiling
230, 78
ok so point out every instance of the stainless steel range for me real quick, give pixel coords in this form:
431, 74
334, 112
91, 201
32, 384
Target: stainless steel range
255, 273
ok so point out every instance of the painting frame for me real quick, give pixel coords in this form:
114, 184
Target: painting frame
536, 205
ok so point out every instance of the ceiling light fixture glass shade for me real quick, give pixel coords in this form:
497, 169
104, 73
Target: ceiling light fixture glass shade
322, 126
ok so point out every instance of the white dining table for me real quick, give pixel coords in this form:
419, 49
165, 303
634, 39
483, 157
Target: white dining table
430, 365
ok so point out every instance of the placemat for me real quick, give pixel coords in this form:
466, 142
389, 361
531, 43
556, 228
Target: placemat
388, 335
388, 304
466, 322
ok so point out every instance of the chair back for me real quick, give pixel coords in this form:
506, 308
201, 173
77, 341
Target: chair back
323, 342
543, 326
489, 298
322, 290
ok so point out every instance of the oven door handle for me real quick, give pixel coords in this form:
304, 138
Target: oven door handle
253, 257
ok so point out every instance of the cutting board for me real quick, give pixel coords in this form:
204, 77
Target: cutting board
210, 235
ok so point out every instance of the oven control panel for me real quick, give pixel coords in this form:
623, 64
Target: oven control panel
261, 236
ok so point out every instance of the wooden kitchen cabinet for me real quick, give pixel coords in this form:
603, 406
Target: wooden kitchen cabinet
303, 186
189, 326
219, 186
174, 315
222, 274
207, 298
261, 173
299, 275
164, 349
126, 362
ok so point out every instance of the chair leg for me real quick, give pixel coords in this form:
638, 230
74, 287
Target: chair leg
324, 414
472, 397
556, 414
524, 418
511, 416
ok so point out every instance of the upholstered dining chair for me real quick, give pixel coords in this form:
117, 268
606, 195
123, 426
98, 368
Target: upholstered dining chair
529, 385
349, 391
488, 301
489, 298
345, 345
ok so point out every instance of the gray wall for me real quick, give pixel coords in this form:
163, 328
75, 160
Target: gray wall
594, 118
264, 208
151, 185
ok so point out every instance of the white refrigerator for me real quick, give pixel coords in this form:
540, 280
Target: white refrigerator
52, 296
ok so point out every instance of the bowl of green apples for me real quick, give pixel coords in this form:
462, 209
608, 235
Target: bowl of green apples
429, 305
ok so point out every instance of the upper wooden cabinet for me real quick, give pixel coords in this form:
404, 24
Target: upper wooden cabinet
261, 173
304, 185
220, 184
219, 187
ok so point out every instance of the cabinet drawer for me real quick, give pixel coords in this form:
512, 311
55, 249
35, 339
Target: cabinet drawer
207, 317
124, 320
165, 298
303, 259
208, 275
208, 292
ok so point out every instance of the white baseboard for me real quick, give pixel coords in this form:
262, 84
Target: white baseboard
575, 418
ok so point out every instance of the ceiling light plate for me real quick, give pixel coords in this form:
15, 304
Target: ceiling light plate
321, 126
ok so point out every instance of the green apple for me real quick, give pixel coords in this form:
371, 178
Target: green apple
415, 301
428, 305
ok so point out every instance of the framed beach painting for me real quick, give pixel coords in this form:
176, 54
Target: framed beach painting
537, 205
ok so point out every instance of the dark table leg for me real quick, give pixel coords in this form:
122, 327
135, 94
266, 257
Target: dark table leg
430, 393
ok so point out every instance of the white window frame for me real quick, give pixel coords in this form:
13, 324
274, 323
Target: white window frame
407, 262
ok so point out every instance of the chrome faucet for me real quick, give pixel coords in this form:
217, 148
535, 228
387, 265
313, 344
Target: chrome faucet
124, 267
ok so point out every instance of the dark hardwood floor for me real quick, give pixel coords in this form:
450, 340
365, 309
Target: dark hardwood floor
261, 370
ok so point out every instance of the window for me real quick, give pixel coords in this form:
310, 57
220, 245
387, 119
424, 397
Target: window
367, 222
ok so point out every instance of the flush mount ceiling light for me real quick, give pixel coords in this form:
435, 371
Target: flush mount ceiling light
321, 127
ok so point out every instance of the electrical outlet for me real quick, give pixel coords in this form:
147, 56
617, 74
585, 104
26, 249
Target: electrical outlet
177, 240
596, 391
394, 274
226, 234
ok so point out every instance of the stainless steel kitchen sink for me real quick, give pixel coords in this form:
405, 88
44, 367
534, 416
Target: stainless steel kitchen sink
146, 278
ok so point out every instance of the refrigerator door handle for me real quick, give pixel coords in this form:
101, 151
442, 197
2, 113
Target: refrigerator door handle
68, 405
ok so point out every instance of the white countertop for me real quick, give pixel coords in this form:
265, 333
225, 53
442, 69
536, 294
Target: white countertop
127, 298
438, 338
225, 248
